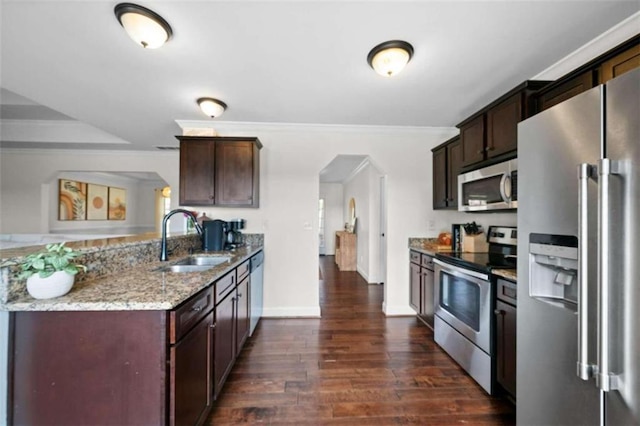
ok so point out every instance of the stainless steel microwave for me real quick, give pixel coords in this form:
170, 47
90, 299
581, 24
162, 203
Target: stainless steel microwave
490, 188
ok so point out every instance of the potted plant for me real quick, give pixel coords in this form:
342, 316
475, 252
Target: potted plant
50, 273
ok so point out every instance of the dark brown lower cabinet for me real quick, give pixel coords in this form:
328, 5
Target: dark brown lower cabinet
242, 314
127, 367
225, 340
191, 361
506, 346
88, 368
414, 289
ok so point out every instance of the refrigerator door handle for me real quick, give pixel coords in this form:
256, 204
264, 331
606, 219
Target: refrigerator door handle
605, 379
585, 370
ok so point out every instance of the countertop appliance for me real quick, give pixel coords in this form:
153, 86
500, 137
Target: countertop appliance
578, 295
464, 299
234, 236
213, 235
489, 188
256, 266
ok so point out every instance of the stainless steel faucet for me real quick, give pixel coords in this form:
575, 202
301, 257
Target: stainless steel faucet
163, 246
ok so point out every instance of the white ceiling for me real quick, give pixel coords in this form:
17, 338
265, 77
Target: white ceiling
272, 62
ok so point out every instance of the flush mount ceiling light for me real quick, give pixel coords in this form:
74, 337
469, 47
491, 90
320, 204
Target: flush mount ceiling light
212, 107
390, 57
144, 26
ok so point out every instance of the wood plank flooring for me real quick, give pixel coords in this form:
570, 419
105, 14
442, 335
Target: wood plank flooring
354, 366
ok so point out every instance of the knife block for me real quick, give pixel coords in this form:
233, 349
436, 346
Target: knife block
475, 243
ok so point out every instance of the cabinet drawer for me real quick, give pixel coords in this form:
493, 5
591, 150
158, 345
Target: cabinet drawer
415, 257
427, 261
185, 316
224, 285
243, 270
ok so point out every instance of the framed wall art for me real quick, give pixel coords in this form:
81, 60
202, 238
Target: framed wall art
72, 200
117, 204
97, 199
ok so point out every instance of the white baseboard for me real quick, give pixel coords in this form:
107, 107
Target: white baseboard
362, 273
309, 312
397, 311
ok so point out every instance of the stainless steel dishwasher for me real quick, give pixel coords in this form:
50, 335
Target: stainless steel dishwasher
257, 271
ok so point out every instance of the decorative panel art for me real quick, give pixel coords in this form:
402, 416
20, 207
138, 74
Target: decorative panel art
97, 198
72, 200
117, 204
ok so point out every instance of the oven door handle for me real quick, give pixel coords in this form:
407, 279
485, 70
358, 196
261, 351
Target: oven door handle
456, 270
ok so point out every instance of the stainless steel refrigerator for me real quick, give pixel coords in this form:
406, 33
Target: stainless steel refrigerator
578, 331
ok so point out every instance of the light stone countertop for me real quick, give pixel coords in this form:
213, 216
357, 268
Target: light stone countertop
139, 287
510, 274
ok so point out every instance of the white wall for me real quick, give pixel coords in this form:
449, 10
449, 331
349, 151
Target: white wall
26, 178
333, 214
140, 204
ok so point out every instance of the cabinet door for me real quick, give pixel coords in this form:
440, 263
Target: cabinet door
506, 346
196, 173
502, 126
414, 289
440, 178
454, 164
566, 90
618, 65
472, 135
236, 176
426, 287
225, 342
191, 375
242, 314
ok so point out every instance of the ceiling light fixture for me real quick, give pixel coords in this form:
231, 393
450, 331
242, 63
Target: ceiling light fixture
144, 26
390, 57
212, 107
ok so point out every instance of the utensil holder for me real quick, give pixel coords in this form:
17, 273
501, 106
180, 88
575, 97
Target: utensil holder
475, 243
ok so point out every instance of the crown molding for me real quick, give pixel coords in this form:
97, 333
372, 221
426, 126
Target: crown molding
238, 126
594, 48
80, 151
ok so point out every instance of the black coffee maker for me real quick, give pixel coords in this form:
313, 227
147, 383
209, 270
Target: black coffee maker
214, 235
234, 236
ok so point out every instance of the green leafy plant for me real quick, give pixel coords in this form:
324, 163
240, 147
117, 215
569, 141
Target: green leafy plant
55, 258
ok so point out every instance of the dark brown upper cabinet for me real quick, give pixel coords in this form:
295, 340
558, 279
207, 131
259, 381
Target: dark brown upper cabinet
447, 162
492, 133
620, 64
615, 62
567, 89
219, 171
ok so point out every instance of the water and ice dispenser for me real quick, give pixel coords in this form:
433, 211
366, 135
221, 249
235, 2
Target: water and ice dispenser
553, 267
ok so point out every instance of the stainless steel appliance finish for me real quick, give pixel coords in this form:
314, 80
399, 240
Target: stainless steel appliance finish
578, 351
256, 295
464, 300
490, 188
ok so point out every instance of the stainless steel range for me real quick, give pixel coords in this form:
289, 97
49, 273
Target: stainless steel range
464, 299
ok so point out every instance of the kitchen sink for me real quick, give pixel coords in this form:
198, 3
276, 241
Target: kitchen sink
184, 268
203, 260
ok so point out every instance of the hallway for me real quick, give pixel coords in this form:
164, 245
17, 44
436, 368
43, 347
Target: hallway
354, 366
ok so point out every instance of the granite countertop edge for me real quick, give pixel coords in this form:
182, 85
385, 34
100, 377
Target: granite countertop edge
510, 274
138, 288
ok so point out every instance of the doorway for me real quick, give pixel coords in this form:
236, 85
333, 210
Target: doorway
357, 178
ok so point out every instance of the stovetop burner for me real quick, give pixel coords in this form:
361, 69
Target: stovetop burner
502, 253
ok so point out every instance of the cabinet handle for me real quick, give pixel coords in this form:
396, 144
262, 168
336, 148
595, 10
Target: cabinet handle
213, 325
481, 151
196, 308
239, 295
499, 312
489, 148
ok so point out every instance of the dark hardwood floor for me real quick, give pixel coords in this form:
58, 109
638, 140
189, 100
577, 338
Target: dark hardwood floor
354, 366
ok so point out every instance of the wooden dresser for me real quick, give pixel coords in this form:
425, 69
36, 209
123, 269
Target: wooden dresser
346, 250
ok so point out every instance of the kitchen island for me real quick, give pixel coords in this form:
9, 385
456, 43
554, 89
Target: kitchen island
129, 344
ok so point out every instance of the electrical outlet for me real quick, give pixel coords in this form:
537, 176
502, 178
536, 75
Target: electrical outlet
431, 225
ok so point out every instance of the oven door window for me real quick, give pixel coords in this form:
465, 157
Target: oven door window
461, 298
482, 192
